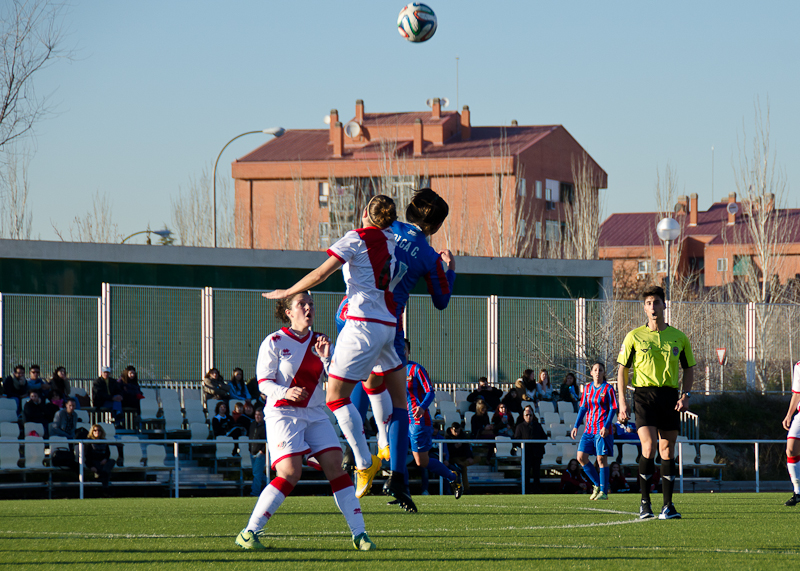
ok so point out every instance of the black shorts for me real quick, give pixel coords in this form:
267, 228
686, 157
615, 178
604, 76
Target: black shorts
655, 406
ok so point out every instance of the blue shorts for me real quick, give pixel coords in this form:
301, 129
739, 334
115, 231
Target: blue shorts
596, 445
420, 437
400, 341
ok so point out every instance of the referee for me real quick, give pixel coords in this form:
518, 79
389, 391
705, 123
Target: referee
654, 352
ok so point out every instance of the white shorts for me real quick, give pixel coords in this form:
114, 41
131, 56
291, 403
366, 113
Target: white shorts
794, 428
364, 347
301, 431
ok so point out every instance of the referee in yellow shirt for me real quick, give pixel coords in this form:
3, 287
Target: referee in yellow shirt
655, 352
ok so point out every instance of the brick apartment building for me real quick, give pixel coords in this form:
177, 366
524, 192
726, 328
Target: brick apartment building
506, 186
715, 246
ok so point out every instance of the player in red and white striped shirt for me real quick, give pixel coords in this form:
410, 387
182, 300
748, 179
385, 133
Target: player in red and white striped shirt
290, 366
366, 344
793, 438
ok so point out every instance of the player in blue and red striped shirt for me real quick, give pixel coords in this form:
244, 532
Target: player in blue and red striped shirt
420, 431
598, 408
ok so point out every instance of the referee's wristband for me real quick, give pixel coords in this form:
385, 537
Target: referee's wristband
686, 394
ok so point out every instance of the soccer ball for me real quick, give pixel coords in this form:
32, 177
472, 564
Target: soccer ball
416, 22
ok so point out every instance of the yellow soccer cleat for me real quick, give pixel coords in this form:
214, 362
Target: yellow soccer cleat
364, 477
362, 542
383, 453
249, 540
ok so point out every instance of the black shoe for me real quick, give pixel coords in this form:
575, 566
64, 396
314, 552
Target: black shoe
456, 486
793, 501
395, 486
645, 511
669, 512
392, 503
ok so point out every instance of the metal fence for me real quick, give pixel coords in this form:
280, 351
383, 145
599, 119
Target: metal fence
179, 333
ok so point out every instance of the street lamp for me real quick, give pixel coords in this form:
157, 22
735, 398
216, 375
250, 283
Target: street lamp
165, 233
276, 131
668, 230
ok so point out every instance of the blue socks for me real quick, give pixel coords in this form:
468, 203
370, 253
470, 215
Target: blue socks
436, 467
605, 476
591, 472
360, 400
398, 441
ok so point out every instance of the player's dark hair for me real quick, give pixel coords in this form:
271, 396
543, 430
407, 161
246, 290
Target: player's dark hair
382, 211
282, 305
654, 291
427, 210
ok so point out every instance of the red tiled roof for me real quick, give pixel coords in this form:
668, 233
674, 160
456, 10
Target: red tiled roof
639, 228
312, 144
404, 118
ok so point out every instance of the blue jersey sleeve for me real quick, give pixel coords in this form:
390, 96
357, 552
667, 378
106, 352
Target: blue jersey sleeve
440, 283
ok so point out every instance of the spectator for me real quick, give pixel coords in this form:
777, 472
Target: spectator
544, 390
252, 388
625, 430
237, 389
459, 453
573, 480
258, 453
59, 387
35, 382
522, 392
215, 387
16, 386
129, 388
244, 417
98, 456
513, 401
65, 421
490, 395
480, 425
617, 479
106, 394
569, 391
530, 429
222, 425
529, 382
37, 410
502, 422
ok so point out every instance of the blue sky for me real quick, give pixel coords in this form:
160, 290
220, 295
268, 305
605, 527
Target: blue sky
157, 88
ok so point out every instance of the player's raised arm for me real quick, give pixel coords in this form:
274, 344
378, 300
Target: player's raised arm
312, 279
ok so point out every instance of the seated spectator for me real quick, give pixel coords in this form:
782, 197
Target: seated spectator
522, 392
490, 395
59, 387
252, 388
459, 453
222, 425
513, 401
129, 388
37, 410
502, 422
617, 480
243, 415
480, 425
215, 387
530, 429
237, 389
65, 421
16, 386
258, 453
573, 480
529, 382
625, 430
35, 382
569, 392
544, 390
98, 456
106, 394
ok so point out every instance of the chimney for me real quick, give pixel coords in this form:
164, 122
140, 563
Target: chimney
437, 109
466, 128
334, 118
360, 111
418, 138
514, 123
731, 217
693, 209
682, 206
338, 139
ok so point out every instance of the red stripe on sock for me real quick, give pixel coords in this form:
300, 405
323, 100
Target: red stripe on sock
338, 403
793, 459
282, 485
341, 483
375, 391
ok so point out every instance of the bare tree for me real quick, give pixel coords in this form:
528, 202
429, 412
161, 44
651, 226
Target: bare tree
15, 216
582, 213
31, 36
97, 225
193, 212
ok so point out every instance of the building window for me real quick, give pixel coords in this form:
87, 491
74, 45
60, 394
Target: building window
566, 192
661, 266
644, 267
538, 230
538, 189
324, 193
722, 264
521, 228
324, 234
742, 265
552, 230
521, 188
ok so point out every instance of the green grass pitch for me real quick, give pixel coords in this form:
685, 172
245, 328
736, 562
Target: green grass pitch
475, 533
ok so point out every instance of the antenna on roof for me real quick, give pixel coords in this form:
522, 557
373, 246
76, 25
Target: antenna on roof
352, 129
327, 119
445, 101
429, 102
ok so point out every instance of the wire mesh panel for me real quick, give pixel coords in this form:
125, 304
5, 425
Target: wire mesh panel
243, 318
450, 344
157, 330
50, 331
536, 334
